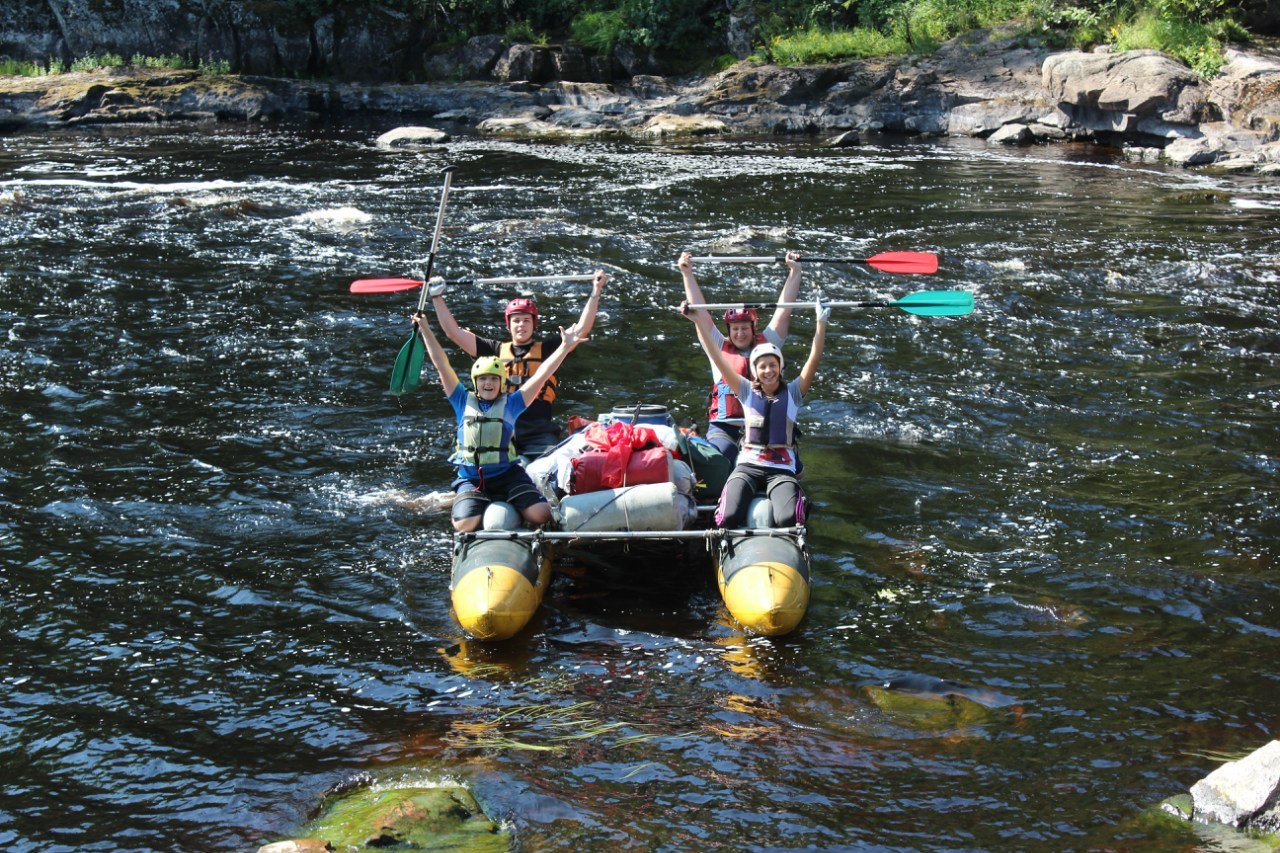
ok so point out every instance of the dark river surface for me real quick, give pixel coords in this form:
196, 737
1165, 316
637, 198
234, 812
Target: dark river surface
217, 604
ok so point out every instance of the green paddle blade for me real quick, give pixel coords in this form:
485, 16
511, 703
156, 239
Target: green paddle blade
408, 366
936, 303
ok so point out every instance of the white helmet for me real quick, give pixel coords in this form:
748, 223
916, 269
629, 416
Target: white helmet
764, 349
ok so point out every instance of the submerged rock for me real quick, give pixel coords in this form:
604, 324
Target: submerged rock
298, 845
373, 817
925, 702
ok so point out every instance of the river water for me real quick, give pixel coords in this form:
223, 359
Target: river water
1056, 516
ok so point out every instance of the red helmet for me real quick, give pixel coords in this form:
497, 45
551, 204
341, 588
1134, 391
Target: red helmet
520, 305
741, 315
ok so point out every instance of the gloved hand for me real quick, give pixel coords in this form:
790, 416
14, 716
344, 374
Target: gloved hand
436, 286
822, 310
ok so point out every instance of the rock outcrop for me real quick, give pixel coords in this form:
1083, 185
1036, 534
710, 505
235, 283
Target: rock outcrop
1004, 90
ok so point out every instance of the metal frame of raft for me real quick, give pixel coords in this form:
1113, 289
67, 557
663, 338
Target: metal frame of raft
711, 535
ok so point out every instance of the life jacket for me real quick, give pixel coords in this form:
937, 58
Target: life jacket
723, 405
770, 422
521, 367
482, 437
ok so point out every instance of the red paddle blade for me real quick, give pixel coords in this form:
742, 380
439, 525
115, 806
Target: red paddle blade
384, 285
905, 262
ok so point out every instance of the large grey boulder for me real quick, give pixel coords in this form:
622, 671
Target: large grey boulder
532, 63
974, 85
409, 137
1244, 793
480, 54
1151, 98
667, 124
1112, 92
1247, 92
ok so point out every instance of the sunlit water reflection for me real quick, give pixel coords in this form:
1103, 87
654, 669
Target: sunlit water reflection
216, 604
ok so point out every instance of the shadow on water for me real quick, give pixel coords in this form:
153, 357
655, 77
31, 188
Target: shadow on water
1044, 534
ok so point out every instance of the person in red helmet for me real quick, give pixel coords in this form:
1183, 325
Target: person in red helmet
724, 412
537, 430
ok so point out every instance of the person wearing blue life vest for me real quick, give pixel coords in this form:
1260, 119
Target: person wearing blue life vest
485, 454
767, 461
724, 412
538, 430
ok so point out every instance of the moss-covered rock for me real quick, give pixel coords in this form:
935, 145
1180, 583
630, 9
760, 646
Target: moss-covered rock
445, 817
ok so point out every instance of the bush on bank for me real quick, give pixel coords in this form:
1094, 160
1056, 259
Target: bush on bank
1195, 31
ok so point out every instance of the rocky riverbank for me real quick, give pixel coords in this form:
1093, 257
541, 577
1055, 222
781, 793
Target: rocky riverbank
985, 85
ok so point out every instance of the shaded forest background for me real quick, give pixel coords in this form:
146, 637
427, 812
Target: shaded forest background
395, 39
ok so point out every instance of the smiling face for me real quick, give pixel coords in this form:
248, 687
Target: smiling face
488, 386
521, 326
742, 335
768, 372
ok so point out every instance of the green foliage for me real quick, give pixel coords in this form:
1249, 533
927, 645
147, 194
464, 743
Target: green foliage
815, 46
1198, 11
93, 63
523, 31
671, 25
171, 61
900, 26
215, 67
1197, 44
15, 68
598, 31
1072, 26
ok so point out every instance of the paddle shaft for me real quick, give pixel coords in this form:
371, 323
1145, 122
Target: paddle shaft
804, 259
525, 279
876, 303
923, 263
435, 238
408, 365
926, 303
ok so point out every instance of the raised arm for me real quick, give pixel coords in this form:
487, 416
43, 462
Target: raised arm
693, 294
703, 323
448, 379
464, 338
588, 318
781, 321
810, 369
569, 339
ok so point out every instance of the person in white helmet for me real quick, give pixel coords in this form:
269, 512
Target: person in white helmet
742, 332
767, 461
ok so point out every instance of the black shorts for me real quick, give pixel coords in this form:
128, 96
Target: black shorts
512, 486
534, 437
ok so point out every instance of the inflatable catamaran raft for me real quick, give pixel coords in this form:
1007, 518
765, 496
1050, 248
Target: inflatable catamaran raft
629, 482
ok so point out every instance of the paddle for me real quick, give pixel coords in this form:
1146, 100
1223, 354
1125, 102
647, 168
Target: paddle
392, 285
923, 263
408, 367
926, 303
